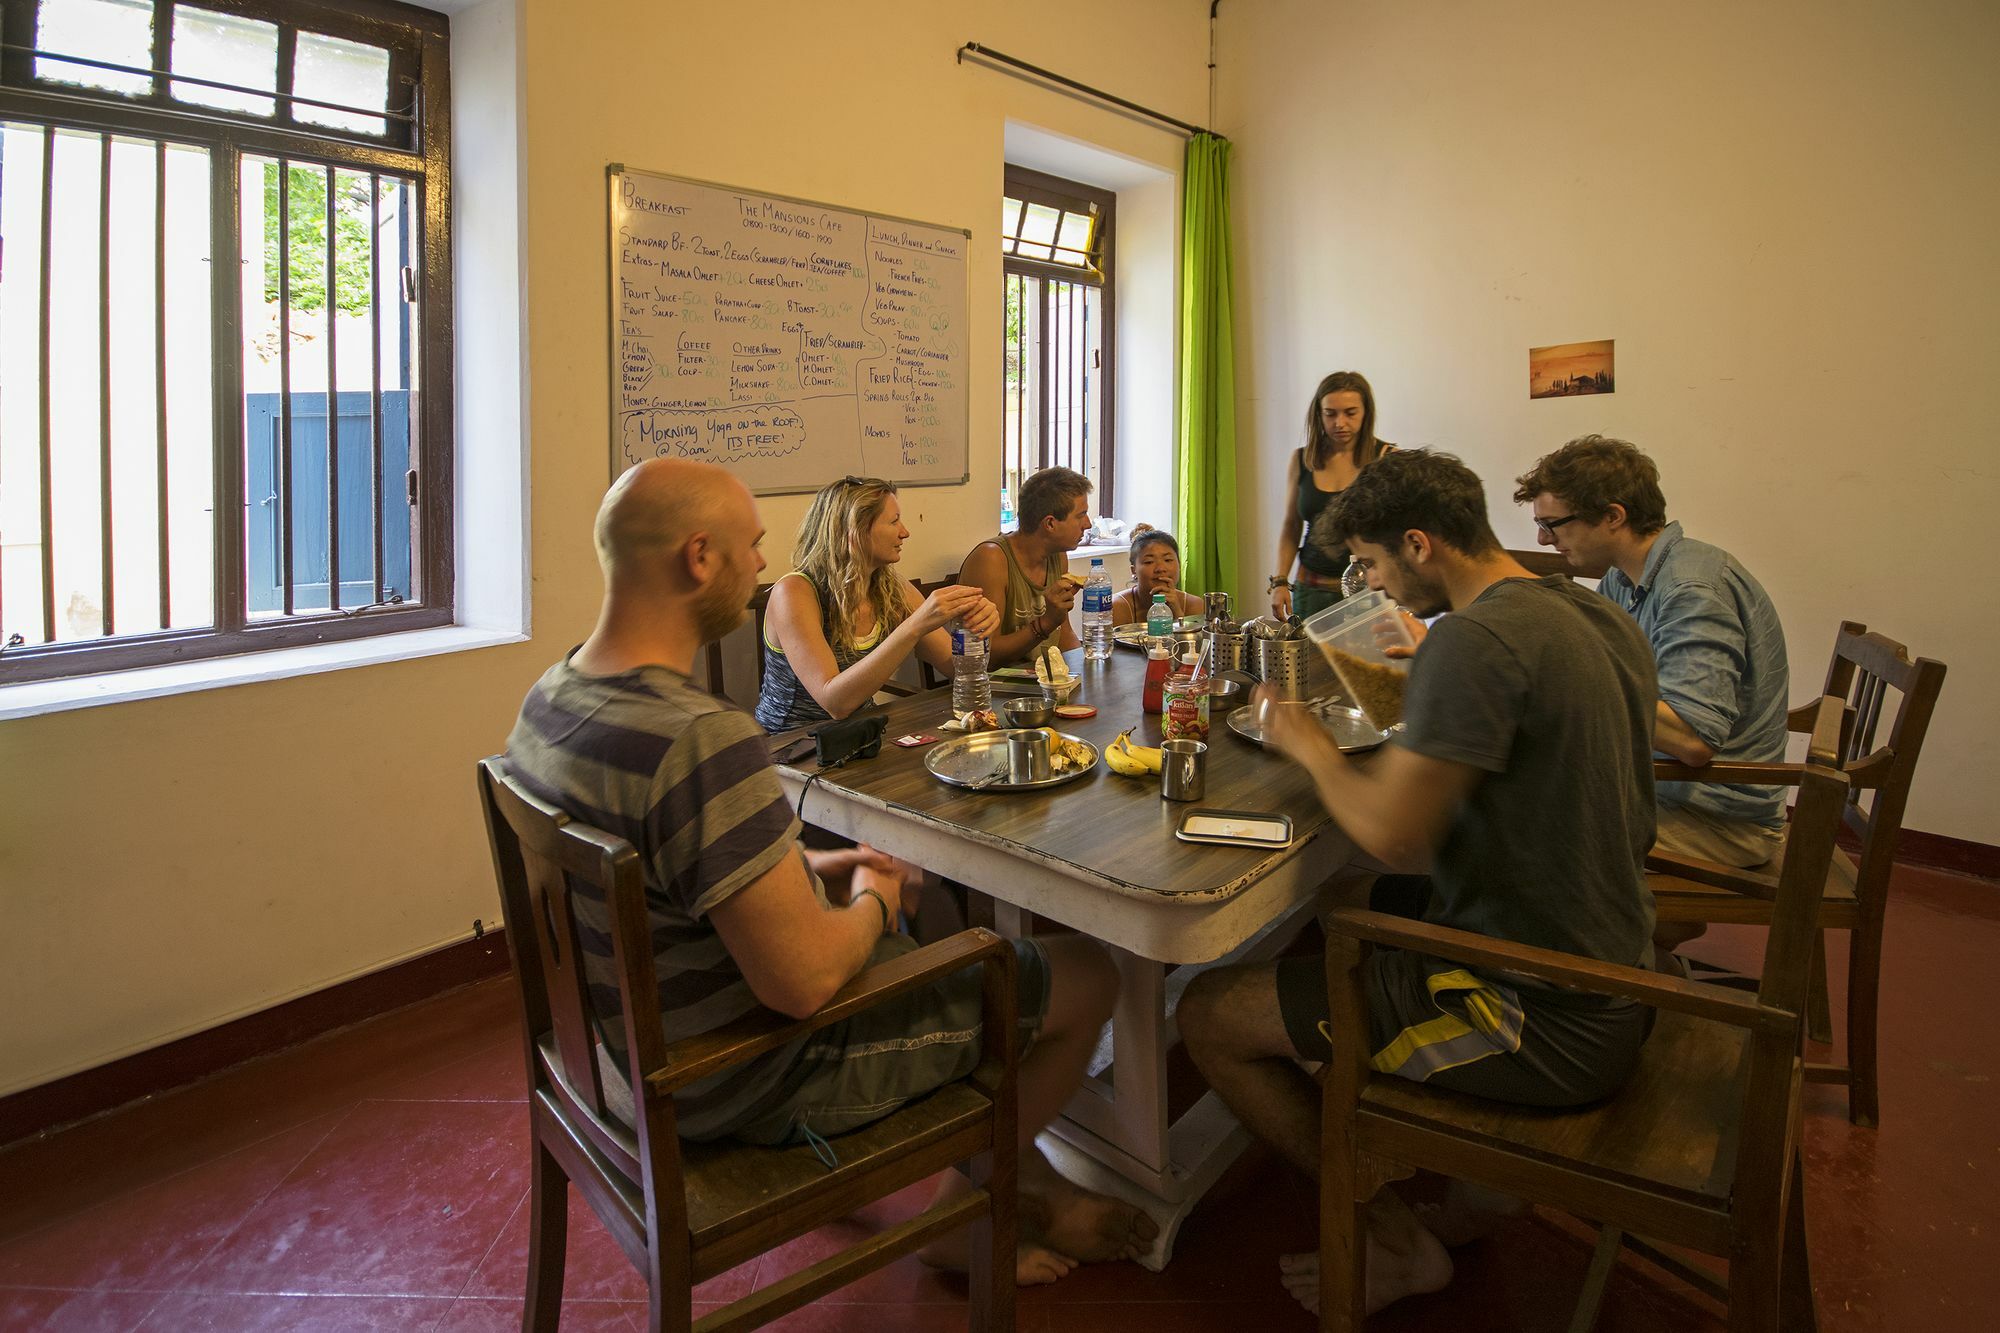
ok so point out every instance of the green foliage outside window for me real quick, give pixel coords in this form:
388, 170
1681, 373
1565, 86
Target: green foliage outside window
353, 210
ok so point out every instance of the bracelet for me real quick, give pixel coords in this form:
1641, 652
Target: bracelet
1275, 582
880, 902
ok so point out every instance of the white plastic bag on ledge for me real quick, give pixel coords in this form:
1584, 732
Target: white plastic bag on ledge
1106, 531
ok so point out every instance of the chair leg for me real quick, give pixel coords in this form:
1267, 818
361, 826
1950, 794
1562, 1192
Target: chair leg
548, 1234
990, 1275
1343, 1248
1597, 1280
1819, 1009
1797, 1312
1756, 1267
1864, 980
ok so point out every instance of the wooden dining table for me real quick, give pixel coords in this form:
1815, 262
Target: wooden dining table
1100, 856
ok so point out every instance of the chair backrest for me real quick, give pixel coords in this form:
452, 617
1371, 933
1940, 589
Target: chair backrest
1865, 667
717, 678
1543, 563
1789, 949
541, 857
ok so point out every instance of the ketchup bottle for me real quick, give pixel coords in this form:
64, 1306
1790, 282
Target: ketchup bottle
1157, 665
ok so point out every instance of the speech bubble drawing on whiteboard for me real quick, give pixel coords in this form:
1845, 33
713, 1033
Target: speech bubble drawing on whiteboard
728, 435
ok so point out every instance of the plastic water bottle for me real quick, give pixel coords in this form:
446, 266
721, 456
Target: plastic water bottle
1097, 613
970, 690
1159, 617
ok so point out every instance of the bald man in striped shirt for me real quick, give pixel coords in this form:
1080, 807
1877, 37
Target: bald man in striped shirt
618, 736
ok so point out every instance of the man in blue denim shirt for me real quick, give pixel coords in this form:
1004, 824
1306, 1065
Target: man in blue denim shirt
1724, 685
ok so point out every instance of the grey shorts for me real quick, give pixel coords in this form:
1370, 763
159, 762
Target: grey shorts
1432, 1022
861, 1069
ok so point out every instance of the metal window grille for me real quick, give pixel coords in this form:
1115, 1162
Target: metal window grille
1058, 339
220, 457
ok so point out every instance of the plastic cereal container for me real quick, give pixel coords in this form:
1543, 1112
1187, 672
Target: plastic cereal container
1354, 635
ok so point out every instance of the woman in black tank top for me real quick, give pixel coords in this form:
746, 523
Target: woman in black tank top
1340, 440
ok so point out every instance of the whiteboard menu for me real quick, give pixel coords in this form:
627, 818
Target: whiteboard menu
791, 342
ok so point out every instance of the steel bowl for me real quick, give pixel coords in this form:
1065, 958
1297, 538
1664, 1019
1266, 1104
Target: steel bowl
1225, 691
1027, 712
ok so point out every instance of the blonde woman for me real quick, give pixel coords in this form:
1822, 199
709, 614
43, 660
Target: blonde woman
840, 624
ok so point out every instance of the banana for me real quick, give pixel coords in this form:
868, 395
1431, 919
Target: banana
1057, 670
1132, 760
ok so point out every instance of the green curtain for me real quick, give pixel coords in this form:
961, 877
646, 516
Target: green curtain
1205, 474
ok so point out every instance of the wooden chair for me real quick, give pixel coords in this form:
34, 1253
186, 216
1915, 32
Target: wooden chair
682, 1211
1864, 667
1700, 1148
1542, 563
717, 679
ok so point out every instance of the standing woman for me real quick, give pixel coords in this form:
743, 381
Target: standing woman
1340, 441
840, 624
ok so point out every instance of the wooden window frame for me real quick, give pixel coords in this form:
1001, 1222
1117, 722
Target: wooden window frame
1039, 187
419, 44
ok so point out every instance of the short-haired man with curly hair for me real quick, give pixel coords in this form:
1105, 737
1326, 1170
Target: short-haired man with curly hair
1521, 785
1724, 682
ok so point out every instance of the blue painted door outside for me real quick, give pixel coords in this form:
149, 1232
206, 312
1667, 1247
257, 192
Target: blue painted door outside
310, 550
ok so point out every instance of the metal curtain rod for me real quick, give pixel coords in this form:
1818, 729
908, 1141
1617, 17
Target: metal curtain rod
987, 53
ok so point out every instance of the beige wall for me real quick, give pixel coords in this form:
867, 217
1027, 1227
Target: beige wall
1783, 212
169, 864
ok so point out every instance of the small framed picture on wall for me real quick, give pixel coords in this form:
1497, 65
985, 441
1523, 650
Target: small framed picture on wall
1569, 369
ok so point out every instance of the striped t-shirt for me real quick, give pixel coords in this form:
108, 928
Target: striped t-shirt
685, 778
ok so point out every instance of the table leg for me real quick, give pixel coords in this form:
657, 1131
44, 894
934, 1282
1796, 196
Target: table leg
1114, 1136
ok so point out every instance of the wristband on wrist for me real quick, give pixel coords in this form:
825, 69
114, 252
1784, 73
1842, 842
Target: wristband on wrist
882, 903
1275, 582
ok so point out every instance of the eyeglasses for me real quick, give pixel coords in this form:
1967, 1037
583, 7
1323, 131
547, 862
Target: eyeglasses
1549, 525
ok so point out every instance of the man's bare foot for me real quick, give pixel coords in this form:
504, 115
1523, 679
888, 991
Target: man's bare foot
1403, 1260
1300, 1274
1094, 1228
1467, 1213
1034, 1265
1037, 1266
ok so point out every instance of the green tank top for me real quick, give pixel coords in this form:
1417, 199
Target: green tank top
1024, 600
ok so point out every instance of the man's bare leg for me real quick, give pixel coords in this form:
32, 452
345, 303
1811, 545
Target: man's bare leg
1234, 1032
1061, 1223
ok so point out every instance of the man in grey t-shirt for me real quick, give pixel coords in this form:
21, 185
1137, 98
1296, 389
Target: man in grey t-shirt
1523, 787
1720, 651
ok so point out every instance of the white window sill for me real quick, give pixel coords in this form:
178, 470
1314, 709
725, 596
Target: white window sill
115, 687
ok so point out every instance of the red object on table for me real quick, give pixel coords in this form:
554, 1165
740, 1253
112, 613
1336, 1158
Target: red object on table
1157, 666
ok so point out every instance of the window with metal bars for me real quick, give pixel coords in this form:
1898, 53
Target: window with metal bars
199, 457
1056, 242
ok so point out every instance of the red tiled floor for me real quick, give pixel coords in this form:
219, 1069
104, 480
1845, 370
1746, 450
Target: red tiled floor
402, 1198
377, 1178
189, 1313
23, 1311
151, 1239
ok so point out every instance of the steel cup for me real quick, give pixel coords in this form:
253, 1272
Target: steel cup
1183, 770
1028, 757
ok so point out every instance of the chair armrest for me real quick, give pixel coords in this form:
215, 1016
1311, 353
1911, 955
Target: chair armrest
1632, 983
762, 1031
1825, 718
1713, 873
1766, 775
